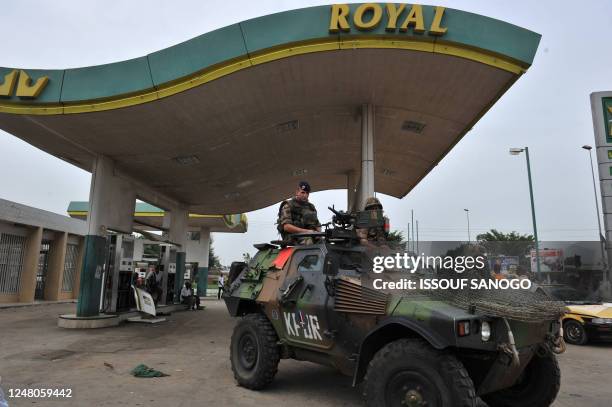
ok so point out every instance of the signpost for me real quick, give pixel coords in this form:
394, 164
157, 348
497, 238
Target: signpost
601, 108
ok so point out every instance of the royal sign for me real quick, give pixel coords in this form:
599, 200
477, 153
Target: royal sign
402, 17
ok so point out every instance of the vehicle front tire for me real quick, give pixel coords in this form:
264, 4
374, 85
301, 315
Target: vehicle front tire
574, 332
254, 352
409, 372
537, 387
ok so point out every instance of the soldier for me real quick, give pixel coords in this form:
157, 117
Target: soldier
376, 235
297, 215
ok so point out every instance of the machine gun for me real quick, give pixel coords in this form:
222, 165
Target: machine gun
342, 219
345, 224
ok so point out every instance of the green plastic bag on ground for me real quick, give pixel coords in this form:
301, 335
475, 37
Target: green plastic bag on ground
146, 371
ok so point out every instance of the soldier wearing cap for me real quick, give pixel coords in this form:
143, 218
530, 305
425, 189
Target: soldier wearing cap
297, 215
371, 235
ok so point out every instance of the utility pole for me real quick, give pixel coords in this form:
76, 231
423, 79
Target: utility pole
412, 221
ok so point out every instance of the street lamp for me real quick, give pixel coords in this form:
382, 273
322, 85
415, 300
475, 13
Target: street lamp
517, 151
467, 213
601, 243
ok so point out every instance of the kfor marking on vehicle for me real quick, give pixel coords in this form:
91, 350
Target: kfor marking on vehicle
302, 325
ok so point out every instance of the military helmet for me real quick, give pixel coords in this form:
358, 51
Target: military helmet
372, 203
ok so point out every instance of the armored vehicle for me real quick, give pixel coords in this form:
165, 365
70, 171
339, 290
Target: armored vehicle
310, 303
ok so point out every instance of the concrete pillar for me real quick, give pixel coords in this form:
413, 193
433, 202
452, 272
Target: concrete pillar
178, 235
164, 265
111, 206
366, 185
79, 266
204, 251
55, 270
138, 249
30, 266
116, 261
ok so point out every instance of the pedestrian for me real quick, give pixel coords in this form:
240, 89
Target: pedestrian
188, 298
220, 285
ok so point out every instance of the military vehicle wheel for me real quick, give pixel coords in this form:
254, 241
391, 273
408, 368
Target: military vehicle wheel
537, 387
574, 333
409, 373
254, 352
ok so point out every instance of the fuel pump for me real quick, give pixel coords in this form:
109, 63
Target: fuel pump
118, 270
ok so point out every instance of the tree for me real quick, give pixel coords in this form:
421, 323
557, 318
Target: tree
213, 260
496, 236
508, 244
396, 236
497, 243
151, 250
396, 240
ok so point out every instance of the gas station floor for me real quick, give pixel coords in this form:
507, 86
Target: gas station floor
192, 347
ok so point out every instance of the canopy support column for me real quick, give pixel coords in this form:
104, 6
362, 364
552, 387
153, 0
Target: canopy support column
366, 185
111, 207
203, 256
178, 236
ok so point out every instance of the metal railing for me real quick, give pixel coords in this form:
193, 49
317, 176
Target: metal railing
70, 267
12, 252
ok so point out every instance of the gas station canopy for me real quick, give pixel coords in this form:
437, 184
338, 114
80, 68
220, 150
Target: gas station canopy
229, 121
150, 218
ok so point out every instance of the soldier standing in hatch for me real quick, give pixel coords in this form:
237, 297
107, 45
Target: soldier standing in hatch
373, 235
297, 215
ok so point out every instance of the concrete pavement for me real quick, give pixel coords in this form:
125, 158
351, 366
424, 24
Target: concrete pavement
192, 347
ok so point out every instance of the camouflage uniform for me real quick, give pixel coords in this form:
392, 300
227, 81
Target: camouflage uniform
300, 214
373, 234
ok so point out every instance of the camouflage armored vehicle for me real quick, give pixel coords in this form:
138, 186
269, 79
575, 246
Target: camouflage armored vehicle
310, 303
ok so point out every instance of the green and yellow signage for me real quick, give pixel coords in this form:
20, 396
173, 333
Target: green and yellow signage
607, 114
400, 17
23, 84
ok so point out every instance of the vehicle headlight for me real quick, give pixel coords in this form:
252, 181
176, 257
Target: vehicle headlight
601, 320
485, 331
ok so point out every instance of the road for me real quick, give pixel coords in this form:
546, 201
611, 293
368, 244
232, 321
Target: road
192, 347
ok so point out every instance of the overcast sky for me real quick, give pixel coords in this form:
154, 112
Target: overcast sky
548, 110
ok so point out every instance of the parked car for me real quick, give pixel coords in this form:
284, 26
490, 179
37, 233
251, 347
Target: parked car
586, 319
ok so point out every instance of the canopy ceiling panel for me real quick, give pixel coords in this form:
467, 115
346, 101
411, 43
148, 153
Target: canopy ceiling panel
279, 106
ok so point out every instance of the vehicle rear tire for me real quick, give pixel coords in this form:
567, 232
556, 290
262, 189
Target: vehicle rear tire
537, 387
574, 333
254, 352
409, 372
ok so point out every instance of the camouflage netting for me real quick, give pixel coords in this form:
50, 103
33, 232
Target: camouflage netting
516, 304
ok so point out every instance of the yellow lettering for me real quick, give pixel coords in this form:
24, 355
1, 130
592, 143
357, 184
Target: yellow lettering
25, 90
414, 19
339, 13
393, 14
7, 87
435, 28
364, 8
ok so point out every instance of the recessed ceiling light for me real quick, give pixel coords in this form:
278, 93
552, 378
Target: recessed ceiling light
412, 126
299, 172
232, 195
245, 184
288, 126
186, 159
